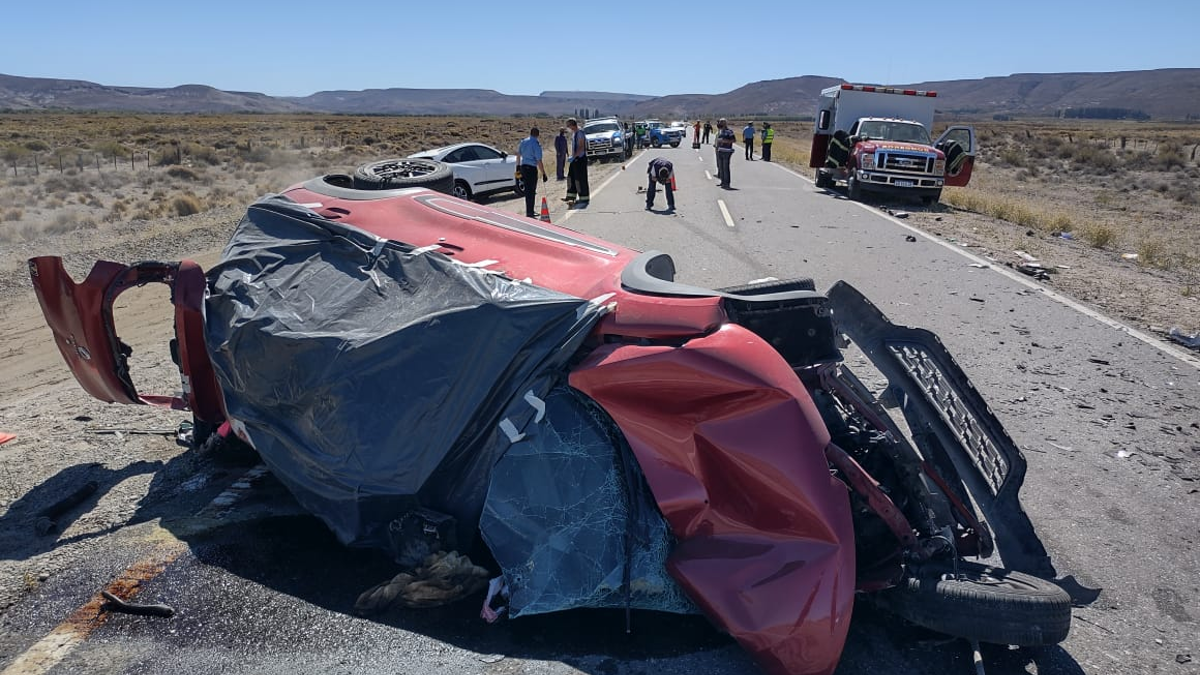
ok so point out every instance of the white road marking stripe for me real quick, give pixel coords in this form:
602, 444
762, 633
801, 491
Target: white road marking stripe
45, 654
1025, 281
591, 193
707, 174
725, 213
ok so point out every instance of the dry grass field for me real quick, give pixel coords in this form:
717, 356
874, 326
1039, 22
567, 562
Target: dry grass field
1084, 194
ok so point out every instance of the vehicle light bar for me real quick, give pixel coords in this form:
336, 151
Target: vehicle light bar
888, 90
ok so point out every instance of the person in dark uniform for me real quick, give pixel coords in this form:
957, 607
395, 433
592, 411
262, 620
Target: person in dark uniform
707, 131
660, 171
577, 174
560, 154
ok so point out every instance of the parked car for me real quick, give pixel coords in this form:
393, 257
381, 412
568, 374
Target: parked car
478, 169
400, 356
659, 134
605, 138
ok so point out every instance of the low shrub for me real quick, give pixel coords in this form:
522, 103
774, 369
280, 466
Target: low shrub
185, 205
1099, 236
182, 173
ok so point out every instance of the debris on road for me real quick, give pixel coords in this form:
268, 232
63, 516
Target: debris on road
442, 579
1100, 361
4, 438
1129, 256
1034, 270
116, 604
137, 432
1025, 256
898, 214
1190, 341
47, 519
1183, 658
979, 266
1124, 454
909, 238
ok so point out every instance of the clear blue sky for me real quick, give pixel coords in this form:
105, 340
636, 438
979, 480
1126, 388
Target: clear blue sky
524, 47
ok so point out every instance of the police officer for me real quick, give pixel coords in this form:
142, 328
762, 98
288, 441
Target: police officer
768, 137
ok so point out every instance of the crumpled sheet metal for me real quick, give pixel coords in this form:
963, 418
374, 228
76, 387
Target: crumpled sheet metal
733, 450
369, 377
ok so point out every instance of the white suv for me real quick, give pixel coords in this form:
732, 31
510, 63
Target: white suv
605, 138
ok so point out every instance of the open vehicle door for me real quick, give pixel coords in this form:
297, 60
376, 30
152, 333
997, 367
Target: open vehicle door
81, 318
958, 143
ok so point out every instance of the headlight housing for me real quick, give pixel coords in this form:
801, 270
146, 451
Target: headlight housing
939, 166
866, 160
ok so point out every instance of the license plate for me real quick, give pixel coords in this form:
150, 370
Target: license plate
904, 183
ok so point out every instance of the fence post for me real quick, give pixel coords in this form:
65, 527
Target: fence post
35, 165
132, 157
60, 170
97, 156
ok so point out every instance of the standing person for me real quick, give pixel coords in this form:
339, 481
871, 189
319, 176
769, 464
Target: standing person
748, 139
560, 153
529, 163
707, 131
696, 132
577, 174
660, 171
768, 137
725, 140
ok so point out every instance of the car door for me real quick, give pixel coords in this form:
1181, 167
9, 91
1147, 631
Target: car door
462, 162
499, 168
958, 144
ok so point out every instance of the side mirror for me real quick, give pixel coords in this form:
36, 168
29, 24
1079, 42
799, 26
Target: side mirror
503, 155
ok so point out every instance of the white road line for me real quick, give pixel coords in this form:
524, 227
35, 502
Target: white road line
45, 654
592, 193
1026, 281
725, 213
707, 174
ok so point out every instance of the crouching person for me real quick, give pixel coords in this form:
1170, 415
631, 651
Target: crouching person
661, 171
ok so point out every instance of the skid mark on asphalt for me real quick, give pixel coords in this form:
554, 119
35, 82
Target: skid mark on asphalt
48, 652
1025, 281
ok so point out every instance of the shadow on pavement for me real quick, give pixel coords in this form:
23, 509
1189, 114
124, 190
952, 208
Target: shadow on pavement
296, 555
34, 523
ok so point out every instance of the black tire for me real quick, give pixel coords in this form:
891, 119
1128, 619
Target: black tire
675, 144
655, 143
853, 189
823, 180
391, 174
462, 190
930, 200
774, 286
984, 603
519, 187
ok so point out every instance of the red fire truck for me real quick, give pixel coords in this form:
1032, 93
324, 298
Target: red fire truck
876, 139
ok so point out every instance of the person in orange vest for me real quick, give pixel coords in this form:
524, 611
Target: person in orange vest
768, 137
661, 171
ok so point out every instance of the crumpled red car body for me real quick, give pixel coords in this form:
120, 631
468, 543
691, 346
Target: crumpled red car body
729, 440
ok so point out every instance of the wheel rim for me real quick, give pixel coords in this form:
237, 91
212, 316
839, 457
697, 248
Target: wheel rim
461, 191
402, 169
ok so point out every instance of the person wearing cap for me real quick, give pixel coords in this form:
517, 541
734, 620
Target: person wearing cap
529, 162
748, 139
724, 145
560, 154
768, 137
707, 130
660, 171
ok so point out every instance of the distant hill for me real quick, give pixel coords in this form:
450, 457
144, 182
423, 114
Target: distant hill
36, 93
1172, 94
451, 101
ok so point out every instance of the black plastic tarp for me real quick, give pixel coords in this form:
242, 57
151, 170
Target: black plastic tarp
372, 377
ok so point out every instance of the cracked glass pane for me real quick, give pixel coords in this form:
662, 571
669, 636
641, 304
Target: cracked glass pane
568, 512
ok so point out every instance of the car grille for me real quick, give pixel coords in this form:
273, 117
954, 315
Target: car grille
599, 143
905, 162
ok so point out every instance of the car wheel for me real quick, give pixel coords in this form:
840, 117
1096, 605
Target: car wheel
391, 174
656, 143
930, 200
675, 144
462, 190
519, 187
823, 180
853, 189
982, 603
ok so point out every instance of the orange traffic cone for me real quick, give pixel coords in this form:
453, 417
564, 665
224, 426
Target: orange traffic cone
545, 215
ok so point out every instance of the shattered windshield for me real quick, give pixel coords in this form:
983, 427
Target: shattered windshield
885, 130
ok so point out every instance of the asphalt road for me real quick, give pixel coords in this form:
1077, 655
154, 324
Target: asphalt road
1110, 426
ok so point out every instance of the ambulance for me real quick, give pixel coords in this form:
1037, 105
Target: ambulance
876, 139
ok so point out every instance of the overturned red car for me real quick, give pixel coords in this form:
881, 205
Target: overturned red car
615, 438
